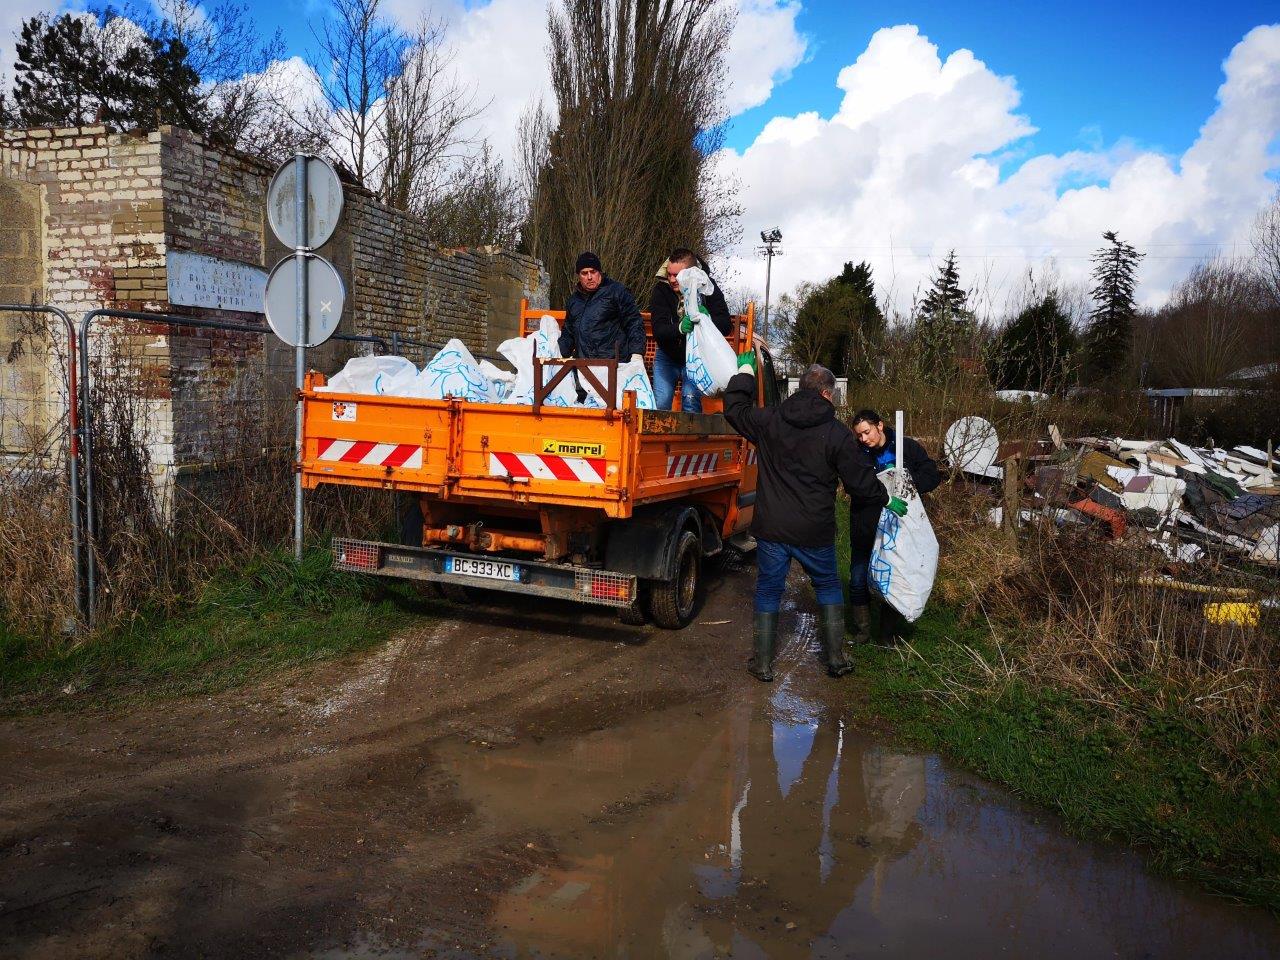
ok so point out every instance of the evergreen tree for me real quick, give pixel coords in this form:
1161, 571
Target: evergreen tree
1110, 334
945, 298
867, 331
72, 72
944, 322
1034, 351
62, 77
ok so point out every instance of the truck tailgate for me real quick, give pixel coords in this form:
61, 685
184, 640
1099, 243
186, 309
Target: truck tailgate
453, 448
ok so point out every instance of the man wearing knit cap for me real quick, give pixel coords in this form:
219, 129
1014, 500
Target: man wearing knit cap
601, 320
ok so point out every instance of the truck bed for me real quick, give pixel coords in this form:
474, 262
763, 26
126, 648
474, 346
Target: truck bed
453, 449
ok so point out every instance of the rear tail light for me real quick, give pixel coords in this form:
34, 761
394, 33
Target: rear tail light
356, 556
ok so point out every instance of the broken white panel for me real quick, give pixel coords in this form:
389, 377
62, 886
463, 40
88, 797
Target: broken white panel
1162, 494
1186, 453
1268, 548
971, 445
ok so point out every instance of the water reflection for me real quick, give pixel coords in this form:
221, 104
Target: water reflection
773, 829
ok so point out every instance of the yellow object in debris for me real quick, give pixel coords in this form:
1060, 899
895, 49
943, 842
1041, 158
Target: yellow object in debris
1236, 614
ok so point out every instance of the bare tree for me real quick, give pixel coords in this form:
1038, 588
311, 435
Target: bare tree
1211, 325
361, 53
479, 205
1266, 248
627, 168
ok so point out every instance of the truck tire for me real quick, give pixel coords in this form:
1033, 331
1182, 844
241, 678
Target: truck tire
633, 616
672, 602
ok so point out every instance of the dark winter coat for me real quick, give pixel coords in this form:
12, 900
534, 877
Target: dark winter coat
666, 307
603, 324
802, 451
924, 474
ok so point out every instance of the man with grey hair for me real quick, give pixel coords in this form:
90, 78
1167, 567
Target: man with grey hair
803, 450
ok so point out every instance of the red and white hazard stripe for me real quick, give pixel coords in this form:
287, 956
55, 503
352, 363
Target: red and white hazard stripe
370, 454
545, 466
751, 455
692, 464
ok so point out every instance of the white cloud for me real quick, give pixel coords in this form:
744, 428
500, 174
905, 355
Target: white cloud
909, 167
12, 15
764, 50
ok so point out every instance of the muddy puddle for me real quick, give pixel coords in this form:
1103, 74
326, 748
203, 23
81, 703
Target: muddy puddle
771, 828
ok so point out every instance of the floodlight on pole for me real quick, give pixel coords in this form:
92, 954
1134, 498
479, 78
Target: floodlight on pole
771, 240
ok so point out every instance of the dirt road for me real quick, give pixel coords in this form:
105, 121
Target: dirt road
535, 779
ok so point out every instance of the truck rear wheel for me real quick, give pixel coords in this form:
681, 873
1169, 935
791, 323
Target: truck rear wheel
672, 602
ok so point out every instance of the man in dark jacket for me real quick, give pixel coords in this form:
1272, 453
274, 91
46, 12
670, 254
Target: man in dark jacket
601, 320
877, 447
666, 313
803, 451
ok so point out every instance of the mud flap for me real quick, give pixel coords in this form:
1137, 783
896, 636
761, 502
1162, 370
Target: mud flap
645, 545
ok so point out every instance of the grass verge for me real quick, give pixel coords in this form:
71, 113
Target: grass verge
244, 624
1135, 772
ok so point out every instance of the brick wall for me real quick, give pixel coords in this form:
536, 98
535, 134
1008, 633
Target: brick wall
113, 205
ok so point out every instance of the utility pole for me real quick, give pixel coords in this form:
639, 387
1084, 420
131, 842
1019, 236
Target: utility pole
772, 240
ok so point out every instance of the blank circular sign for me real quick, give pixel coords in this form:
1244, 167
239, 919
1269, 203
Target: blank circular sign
324, 203
326, 295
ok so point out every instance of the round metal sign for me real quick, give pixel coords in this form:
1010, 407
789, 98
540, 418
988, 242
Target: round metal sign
324, 203
326, 295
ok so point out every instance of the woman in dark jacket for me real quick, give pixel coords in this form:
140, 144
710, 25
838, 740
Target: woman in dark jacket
877, 445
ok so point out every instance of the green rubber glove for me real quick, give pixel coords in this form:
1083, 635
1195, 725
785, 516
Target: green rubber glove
897, 506
686, 324
747, 362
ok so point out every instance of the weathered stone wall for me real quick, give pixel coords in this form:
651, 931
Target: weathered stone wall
113, 206
24, 402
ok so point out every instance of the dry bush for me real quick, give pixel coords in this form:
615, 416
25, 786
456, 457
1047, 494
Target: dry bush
35, 527
159, 538
1068, 608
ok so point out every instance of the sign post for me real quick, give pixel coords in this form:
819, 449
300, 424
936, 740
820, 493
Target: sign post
300, 350
304, 202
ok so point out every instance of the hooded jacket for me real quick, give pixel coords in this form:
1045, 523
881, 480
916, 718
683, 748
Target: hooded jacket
666, 307
802, 451
603, 324
920, 466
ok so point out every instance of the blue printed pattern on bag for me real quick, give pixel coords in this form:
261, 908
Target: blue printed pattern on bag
881, 571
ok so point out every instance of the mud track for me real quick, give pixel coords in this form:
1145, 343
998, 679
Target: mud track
534, 778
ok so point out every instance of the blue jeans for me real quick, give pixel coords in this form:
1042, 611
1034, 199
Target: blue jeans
859, 594
666, 374
773, 560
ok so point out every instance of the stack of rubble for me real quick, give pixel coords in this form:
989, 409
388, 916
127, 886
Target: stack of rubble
1183, 500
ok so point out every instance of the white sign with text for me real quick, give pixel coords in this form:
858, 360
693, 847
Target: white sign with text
196, 280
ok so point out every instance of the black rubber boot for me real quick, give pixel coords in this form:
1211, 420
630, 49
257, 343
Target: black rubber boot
862, 622
831, 629
891, 625
760, 665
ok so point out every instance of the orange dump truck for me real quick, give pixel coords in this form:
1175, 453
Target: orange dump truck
615, 507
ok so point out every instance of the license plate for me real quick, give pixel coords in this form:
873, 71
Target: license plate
491, 569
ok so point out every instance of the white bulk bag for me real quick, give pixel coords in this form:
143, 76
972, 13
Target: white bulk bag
631, 376
905, 559
709, 361
453, 372
520, 351
369, 375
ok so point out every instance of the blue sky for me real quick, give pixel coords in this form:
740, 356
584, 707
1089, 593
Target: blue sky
1086, 70
932, 151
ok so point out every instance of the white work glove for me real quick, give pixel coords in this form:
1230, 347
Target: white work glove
637, 358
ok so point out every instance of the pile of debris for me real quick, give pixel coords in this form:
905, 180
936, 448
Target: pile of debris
1183, 501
